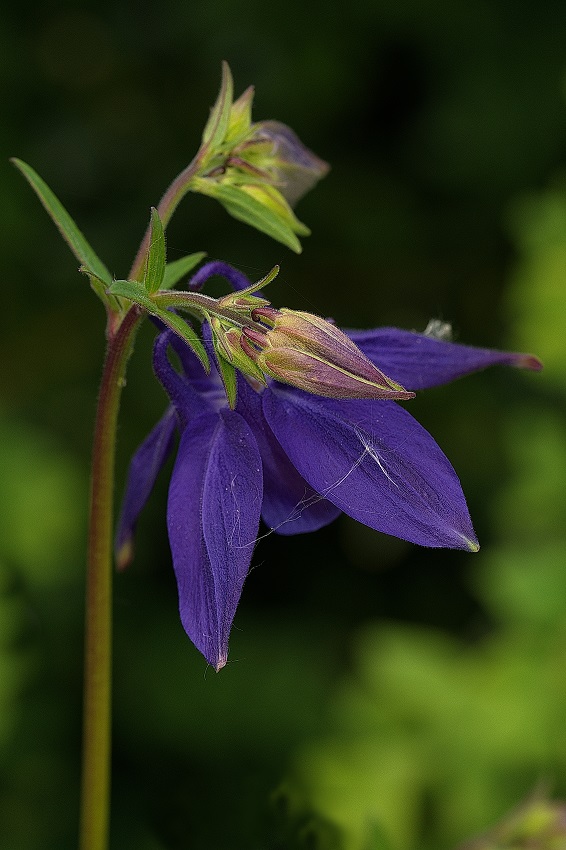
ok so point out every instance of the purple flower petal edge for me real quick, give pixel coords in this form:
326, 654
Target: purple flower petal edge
145, 466
290, 505
418, 361
376, 463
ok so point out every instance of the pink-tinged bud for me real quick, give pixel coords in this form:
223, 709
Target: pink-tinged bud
227, 344
310, 353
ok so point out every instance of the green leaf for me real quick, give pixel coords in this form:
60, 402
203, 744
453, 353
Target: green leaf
179, 268
246, 208
217, 124
63, 221
135, 291
228, 375
182, 328
155, 267
100, 288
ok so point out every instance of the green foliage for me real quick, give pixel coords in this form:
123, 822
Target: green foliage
156, 255
64, 223
433, 116
434, 739
137, 293
276, 220
217, 124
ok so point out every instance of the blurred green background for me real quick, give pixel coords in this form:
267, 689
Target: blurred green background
379, 696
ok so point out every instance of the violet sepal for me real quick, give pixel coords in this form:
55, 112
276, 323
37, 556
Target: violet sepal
213, 516
419, 361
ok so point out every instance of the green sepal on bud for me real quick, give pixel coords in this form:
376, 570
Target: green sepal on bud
262, 213
226, 368
314, 355
245, 299
217, 125
231, 356
240, 119
227, 338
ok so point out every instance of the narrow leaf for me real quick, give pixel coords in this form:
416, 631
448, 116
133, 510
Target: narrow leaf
182, 328
64, 223
155, 267
217, 124
246, 208
254, 287
100, 288
228, 375
136, 292
179, 268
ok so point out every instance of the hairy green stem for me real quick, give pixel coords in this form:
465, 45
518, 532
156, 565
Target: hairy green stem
200, 305
95, 799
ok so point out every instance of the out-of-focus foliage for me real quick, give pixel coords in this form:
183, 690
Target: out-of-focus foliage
431, 738
537, 824
378, 693
41, 522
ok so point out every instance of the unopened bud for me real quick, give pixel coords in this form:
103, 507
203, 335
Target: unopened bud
294, 168
227, 344
314, 355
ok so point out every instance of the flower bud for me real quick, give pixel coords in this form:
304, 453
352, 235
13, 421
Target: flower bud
269, 151
258, 171
314, 355
226, 341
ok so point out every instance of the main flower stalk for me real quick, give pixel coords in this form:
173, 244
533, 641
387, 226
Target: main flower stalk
95, 799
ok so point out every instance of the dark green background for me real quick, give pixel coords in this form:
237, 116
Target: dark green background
445, 125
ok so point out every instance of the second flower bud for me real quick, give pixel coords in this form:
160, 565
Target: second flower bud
314, 355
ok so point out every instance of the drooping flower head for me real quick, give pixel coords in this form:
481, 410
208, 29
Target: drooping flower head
290, 457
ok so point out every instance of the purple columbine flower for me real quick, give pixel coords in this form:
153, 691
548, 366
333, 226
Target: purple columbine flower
297, 461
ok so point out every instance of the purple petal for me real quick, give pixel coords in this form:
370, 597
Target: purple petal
418, 361
298, 167
290, 505
213, 517
191, 394
144, 469
376, 463
235, 278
